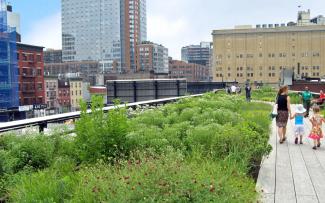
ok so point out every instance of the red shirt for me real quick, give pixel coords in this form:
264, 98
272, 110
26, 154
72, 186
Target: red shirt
322, 96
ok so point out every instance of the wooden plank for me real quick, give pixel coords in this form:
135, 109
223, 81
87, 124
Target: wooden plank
285, 188
306, 199
302, 181
284, 191
316, 171
266, 178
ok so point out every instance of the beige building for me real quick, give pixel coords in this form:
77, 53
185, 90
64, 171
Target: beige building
260, 54
76, 92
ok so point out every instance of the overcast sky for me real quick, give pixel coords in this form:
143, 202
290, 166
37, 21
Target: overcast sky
173, 23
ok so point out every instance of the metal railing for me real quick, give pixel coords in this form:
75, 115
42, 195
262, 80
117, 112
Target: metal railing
42, 122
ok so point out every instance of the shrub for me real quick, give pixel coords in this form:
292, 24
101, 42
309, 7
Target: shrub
199, 149
166, 178
26, 152
101, 135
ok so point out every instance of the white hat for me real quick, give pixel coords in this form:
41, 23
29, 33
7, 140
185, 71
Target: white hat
300, 109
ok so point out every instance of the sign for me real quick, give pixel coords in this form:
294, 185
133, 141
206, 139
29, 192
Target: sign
25, 108
39, 106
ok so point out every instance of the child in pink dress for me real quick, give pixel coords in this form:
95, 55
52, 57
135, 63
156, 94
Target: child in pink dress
316, 133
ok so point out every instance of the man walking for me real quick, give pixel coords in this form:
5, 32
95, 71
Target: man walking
248, 90
306, 100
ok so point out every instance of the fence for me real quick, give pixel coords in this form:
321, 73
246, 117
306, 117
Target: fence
43, 121
128, 91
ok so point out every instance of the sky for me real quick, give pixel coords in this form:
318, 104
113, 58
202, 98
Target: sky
172, 23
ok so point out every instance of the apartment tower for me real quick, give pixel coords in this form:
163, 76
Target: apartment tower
106, 31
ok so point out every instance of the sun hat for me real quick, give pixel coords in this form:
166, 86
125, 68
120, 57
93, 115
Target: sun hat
300, 109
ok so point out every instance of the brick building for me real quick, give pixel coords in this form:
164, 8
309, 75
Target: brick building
192, 72
31, 74
88, 70
152, 57
51, 94
52, 56
260, 54
64, 95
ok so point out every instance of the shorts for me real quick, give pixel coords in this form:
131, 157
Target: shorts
299, 130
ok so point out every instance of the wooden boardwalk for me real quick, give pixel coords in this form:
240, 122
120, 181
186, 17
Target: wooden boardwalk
293, 173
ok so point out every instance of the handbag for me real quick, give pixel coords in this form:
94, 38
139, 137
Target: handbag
274, 112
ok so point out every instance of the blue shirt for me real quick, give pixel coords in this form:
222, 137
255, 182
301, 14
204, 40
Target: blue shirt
299, 120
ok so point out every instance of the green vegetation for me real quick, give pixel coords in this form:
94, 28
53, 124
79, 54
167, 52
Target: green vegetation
195, 150
268, 94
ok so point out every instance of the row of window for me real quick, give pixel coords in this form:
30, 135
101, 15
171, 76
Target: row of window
317, 74
29, 57
76, 93
272, 55
270, 68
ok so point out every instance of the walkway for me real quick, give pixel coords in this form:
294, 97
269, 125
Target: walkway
293, 173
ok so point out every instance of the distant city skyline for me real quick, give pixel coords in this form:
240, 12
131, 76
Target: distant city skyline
173, 23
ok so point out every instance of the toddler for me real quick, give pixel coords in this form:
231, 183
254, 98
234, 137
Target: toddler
316, 133
299, 122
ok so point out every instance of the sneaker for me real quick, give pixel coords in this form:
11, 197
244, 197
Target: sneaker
315, 148
284, 139
301, 142
318, 145
296, 140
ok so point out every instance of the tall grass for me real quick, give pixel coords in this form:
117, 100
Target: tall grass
195, 150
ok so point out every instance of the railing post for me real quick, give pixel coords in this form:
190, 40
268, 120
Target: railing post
177, 86
115, 89
42, 126
156, 89
135, 91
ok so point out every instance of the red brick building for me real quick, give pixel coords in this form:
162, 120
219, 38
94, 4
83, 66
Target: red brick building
64, 95
192, 72
31, 74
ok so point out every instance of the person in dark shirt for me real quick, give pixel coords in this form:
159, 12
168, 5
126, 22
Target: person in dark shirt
284, 111
248, 91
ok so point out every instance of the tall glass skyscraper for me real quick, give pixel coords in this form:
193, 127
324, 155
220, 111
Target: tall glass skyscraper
103, 30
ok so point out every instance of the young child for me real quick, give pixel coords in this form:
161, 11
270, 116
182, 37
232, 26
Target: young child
316, 133
299, 122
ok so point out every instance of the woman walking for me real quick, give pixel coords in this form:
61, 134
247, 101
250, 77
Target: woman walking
284, 110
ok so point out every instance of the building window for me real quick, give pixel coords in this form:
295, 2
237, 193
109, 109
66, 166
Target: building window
39, 72
38, 58
39, 86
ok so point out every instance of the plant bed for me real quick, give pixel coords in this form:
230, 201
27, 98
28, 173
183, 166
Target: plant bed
202, 149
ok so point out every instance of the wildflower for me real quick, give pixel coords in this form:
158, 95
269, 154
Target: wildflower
212, 188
